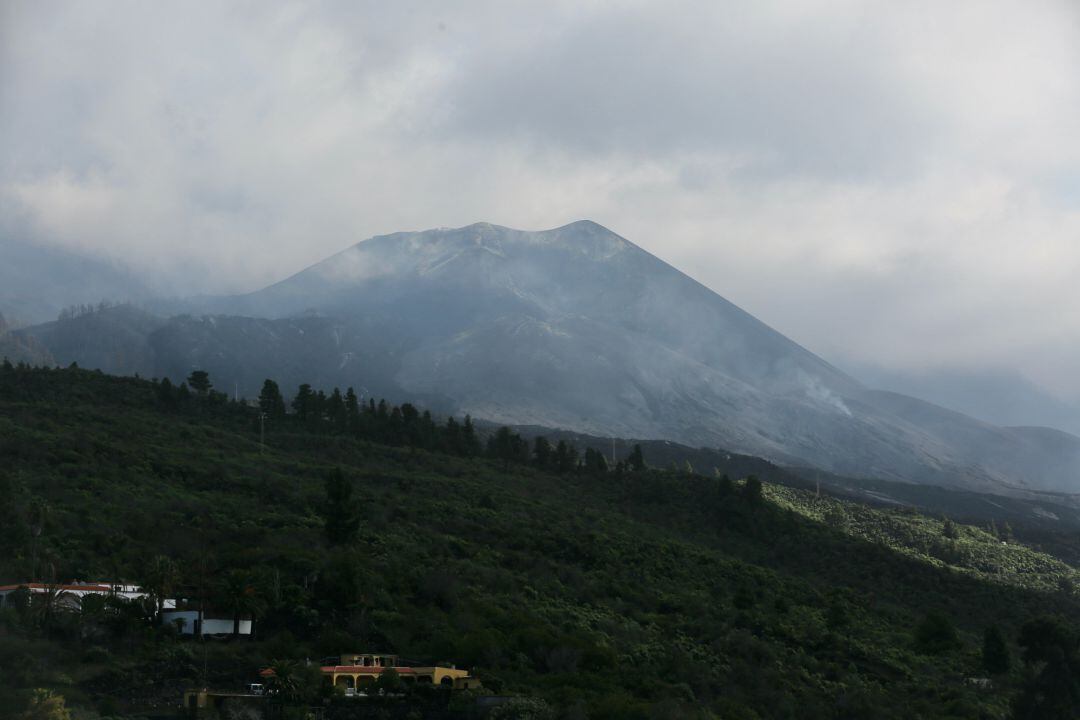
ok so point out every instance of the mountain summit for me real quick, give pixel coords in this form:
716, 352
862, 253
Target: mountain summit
574, 327
578, 328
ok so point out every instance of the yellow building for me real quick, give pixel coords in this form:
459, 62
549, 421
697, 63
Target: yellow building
357, 671
217, 703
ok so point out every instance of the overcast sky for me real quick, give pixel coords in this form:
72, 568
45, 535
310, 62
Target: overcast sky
888, 183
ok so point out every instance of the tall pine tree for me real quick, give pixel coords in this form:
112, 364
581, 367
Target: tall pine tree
341, 516
271, 403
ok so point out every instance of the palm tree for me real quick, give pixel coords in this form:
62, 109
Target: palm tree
284, 683
240, 595
39, 515
161, 578
91, 611
46, 604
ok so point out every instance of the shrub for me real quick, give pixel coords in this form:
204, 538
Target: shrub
935, 634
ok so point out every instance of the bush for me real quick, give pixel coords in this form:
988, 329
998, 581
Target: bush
935, 634
523, 709
995, 654
95, 654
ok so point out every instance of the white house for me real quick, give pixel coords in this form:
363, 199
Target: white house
188, 621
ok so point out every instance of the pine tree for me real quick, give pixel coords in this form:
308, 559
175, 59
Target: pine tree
542, 452
1052, 655
595, 462
752, 491
410, 425
335, 410
341, 518
199, 381
451, 437
166, 394
469, 441
352, 410
636, 459
427, 432
394, 427
271, 403
508, 446
303, 403
725, 487
996, 659
566, 457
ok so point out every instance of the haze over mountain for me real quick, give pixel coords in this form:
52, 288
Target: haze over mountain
999, 397
37, 281
573, 328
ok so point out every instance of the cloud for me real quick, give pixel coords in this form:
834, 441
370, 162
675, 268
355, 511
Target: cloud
888, 183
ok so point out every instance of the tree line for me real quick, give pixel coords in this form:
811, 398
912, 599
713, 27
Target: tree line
405, 425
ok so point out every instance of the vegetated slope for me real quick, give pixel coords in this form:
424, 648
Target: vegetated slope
623, 595
239, 352
127, 340
21, 349
1054, 513
117, 338
580, 329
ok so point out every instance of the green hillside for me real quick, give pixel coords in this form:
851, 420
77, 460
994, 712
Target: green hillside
606, 593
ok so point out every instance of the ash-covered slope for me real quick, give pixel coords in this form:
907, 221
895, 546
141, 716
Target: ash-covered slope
580, 329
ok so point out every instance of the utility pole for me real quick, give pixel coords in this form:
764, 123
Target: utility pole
262, 432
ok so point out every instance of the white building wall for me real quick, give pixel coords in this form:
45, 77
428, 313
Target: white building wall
210, 626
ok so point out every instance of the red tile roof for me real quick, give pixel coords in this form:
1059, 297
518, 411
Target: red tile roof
45, 586
362, 669
358, 669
